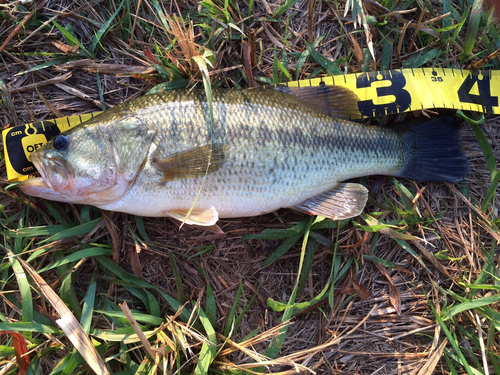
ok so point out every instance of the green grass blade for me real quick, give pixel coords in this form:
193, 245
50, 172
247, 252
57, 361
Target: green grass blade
487, 269
75, 231
209, 347
492, 165
171, 85
211, 306
412, 252
485, 147
421, 59
126, 335
283, 8
70, 38
386, 54
240, 317
452, 341
232, 312
160, 15
60, 60
308, 262
382, 262
276, 234
293, 235
330, 66
277, 342
451, 311
202, 61
300, 62
282, 249
177, 277
24, 289
284, 71
28, 327
69, 364
139, 222
85, 253
104, 29
88, 306
275, 66
140, 317
334, 278
472, 29
463, 19
35, 231
124, 275
68, 294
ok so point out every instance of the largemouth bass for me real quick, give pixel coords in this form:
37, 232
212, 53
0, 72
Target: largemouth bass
162, 155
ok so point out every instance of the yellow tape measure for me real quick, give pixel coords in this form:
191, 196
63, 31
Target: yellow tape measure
379, 93
395, 91
20, 141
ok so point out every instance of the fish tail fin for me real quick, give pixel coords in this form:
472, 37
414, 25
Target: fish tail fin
432, 151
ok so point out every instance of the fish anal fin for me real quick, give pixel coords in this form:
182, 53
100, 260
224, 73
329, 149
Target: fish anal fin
215, 229
195, 162
200, 217
344, 201
336, 101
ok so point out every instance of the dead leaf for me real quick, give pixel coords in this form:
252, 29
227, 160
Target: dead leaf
64, 47
20, 350
138, 330
135, 262
356, 49
393, 291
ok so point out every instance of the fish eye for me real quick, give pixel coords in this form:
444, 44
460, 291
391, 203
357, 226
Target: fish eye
61, 142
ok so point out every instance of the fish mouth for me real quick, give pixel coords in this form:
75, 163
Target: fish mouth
37, 187
54, 178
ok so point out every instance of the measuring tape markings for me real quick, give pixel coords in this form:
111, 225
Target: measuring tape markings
20, 141
404, 90
380, 93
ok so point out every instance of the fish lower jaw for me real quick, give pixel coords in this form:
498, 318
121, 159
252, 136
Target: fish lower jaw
37, 187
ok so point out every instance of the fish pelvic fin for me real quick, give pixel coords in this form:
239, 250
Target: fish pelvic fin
200, 217
335, 101
344, 201
432, 151
195, 162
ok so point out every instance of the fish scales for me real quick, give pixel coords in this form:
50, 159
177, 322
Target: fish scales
161, 155
278, 151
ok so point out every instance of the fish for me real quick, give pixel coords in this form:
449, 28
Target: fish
251, 152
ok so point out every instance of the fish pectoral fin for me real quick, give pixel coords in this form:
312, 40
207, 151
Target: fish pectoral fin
335, 101
195, 162
204, 218
344, 201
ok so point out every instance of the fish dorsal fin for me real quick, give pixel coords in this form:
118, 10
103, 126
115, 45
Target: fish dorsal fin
335, 101
344, 201
202, 217
195, 162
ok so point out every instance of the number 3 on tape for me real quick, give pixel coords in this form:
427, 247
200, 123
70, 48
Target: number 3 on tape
398, 82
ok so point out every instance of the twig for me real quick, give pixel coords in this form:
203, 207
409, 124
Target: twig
135, 24
417, 28
50, 81
481, 344
21, 25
